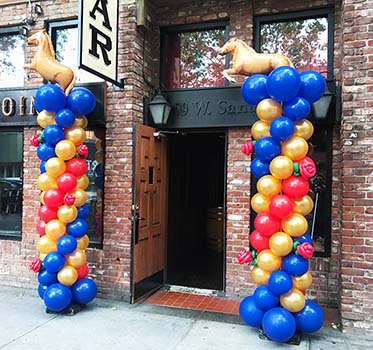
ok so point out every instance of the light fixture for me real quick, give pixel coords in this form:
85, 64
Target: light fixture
33, 13
160, 109
23, 30
321, 108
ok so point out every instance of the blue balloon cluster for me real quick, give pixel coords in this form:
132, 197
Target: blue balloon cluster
294, 92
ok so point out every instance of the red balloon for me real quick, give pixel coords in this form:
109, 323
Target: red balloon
53, 197
41, 227
77, 166
67, 182
281, 206
295, 187
82, 271
267, 224
259, 242
47, 213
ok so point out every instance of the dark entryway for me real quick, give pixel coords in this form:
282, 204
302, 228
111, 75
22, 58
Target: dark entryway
196, 231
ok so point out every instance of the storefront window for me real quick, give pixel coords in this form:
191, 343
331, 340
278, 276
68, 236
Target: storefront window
65, 38
12, 57
307, 39
11, 145
191, 57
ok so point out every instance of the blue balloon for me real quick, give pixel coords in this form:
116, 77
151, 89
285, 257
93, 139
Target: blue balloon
66, 245
254, 89
264, 298
42, 166
279, 324
53, 134
78, 228
57, 297
283, 83
310, 319
282, 129
267, 148
54, 262
50, 97
83, 211
312, 86
297, 109
65, 118
305, 238
81, 101
84, 291
45, 151
295, 265
250, 313
280, 282
46, 278
41, 290
259, 168
38, 109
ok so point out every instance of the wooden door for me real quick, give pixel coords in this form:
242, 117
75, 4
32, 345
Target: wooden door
149, 212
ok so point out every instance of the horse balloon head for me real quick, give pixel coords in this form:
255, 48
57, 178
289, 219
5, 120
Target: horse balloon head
228, 47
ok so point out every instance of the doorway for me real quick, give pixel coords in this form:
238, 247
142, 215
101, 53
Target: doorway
196, 214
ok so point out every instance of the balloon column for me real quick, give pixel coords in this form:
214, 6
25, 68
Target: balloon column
62, 264
280, 247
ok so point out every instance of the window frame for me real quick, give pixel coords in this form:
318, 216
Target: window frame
18, 237
185, 28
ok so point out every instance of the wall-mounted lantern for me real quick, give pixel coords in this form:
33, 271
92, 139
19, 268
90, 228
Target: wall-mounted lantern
160, 110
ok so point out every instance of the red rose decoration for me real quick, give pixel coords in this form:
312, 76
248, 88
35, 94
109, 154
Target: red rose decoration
245, 257
35, 265
307, 167
248, 148
305, 250
69, 199
83, 150
34, 140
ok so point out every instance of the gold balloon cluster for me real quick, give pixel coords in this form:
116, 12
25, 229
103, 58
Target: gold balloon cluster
54, 225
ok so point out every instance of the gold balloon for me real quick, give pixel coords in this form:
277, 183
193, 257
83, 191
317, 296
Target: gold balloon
268, 186
80, 197
281, 167
81, 121
67, 275
260, 129
83, 182
295, 225
76, 135
260, 276
42, 256
99, 156
295, 148
304, 129
45, 182
77, 259
293, 301
67, 213
41, 197
55, 229
45, 118
65, 150
46, 245
304, 206
83, 242
268, 109
268, 261
260, 203
55, 167
281, 243
302, 282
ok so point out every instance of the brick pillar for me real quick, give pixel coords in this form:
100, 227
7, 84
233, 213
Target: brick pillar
357, 164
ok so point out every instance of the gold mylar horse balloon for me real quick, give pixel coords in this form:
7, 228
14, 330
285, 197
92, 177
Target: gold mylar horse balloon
247, 61
45, 63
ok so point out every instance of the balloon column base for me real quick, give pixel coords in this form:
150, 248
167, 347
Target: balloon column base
295, 340
71, 310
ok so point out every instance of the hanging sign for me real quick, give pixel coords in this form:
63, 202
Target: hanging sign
98, 30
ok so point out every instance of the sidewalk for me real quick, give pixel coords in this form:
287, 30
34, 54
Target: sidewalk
107, 324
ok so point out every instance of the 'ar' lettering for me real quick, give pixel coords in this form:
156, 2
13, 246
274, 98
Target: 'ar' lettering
103, 11
104, 46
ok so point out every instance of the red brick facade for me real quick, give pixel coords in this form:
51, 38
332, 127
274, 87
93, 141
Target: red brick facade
343, 280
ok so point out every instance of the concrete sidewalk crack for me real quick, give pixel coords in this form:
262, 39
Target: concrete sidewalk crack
28, 332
